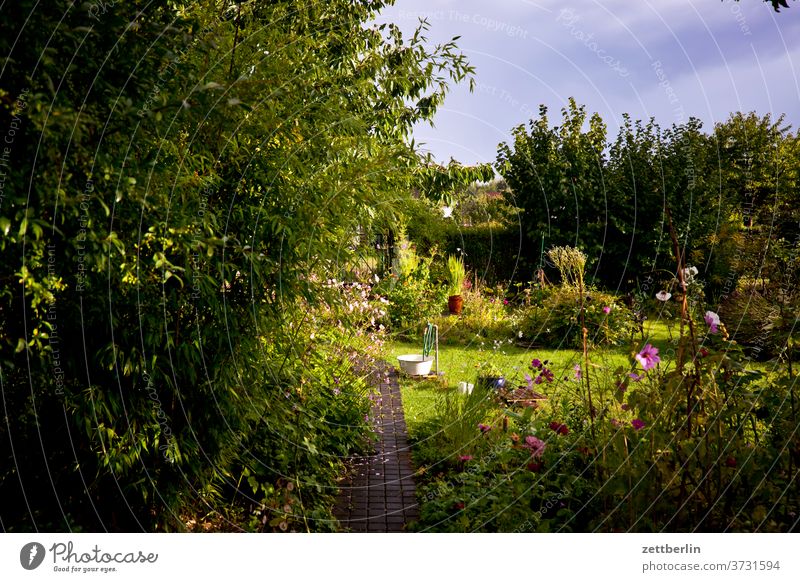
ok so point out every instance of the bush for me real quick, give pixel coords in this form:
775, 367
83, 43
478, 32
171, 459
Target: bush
412, 294
702, 445
554, 319
747, 314
484, 317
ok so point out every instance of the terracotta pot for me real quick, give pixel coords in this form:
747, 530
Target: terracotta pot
455, 303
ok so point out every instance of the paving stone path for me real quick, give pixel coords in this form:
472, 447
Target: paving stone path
379, 494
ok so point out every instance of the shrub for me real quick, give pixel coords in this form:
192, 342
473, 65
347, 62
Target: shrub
748, 314
483, 318
412, 296
556, 321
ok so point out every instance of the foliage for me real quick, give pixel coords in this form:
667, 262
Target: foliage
570, 263
490, 252
456, 274
609, 198
483, 230
555, 321
484, 318
694, 441
413, 297
777, 4
175, 200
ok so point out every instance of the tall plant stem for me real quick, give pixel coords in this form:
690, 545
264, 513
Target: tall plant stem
585, 373
690, 386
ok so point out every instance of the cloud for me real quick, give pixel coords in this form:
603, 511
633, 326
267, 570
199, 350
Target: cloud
713, 58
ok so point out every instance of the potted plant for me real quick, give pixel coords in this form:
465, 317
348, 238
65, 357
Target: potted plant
490, 377
456, 274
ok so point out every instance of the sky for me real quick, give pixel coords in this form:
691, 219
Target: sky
666, 59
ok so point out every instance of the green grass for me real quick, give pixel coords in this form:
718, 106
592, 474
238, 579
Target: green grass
422, 400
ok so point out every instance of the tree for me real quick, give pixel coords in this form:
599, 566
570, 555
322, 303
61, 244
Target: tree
183, 178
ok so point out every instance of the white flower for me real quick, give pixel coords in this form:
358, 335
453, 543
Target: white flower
663, 296
519, 334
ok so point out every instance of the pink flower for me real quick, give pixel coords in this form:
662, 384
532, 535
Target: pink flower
635, 377
484, 428
712, 319
637, 424
606, 310
648, 357
529, 380
505, 301
465, 458
535, 445
577, 369
559, 427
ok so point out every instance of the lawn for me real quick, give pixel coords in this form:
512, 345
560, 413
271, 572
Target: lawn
462, 364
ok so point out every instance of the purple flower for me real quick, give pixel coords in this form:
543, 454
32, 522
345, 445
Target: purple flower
637, 424
625, 407
536, 363
547, 374
577, 369
538, 379
336, 392
536, 446
529, 380
484, 428
648, 357
712, 319
635, 377
606, 310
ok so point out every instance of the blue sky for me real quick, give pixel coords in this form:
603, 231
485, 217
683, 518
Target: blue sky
667, 59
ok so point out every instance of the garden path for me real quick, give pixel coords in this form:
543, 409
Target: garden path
379, 495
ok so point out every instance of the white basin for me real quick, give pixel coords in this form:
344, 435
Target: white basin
415, 364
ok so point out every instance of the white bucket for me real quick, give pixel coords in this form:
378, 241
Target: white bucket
465, 387
416, 364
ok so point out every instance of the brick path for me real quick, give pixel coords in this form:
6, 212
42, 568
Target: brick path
379, 494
